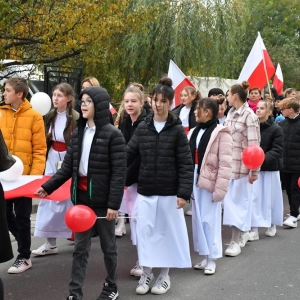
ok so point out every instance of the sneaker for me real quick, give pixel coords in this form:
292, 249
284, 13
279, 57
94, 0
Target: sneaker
253, 236
72, 298
201, 265
233, 249
161, 286
244, 237
45, 249
189, 212
271, 231
137, 270
210, 268
144, 283
20, 265
108, 293
290, 221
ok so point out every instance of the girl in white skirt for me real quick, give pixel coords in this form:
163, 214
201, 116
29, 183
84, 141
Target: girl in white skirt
211, 146
244, 126
267, 208
60, 122
133, 100
164, 184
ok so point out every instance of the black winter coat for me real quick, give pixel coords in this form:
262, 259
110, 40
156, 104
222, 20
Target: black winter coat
128, 128
271, 136
192, 119
107, 159
166, 162
291, 150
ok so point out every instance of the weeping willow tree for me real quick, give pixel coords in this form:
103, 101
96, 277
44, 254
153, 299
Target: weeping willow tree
200, 36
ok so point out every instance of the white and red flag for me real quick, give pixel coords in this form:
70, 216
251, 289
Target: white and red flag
180, 81
27, 185
112, 109
278, 80
258, 68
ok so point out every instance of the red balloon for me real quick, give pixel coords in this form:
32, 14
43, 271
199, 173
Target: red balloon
253, 157
299, 182
80, 218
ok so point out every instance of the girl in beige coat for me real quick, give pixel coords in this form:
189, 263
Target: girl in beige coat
211, 145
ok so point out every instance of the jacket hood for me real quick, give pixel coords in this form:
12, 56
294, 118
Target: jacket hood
25, 105
101, 101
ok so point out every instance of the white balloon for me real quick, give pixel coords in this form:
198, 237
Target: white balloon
41, 102
14, 172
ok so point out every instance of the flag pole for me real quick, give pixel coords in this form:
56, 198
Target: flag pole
265, 66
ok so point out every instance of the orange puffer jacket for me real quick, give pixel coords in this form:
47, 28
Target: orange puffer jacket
24, 134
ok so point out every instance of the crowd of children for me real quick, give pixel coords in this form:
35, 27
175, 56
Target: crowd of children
150, 164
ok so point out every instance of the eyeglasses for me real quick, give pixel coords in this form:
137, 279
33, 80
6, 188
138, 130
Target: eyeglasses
85, 102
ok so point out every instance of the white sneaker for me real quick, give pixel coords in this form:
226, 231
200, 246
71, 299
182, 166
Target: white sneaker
210, 268
271, 231
290, 221
253, 236
120, 228
244, 237
137, 270
189, 212
144, 283
45, 249
201, 265
161, 286
20, 265
233, 249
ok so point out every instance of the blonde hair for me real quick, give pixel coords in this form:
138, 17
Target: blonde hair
92, 80
290, 103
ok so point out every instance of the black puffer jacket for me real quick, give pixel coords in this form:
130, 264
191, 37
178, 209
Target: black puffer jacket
271, 136
107, 159
128, 128
192, 119
166, 162
291, 150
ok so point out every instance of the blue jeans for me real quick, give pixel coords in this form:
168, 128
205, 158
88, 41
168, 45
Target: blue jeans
106, 232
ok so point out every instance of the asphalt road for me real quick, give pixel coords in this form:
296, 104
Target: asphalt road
266, 269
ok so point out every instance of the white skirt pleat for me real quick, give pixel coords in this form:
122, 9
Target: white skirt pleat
238, 204
161, 233
206, 223
123, 207
267, 207
50, 219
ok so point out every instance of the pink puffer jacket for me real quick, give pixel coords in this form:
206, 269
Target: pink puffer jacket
215, 172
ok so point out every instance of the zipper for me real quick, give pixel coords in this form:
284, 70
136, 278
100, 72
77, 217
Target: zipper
90, 188
156, 155
74, 190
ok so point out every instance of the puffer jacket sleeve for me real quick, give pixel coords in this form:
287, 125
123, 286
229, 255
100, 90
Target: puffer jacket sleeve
118, 170
63, 174
276, 152
132, 148
39, 147
225, 165
185, 168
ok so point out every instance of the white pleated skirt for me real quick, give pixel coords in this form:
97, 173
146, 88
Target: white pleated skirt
123, 207
206, 223
267, 207
161, 233
50, 219
238, 204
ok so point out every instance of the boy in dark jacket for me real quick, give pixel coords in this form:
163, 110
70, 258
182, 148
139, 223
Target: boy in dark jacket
291, 163
96, 161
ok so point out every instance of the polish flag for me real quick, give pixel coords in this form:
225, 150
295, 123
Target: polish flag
258, 68
180, 81
112, 109
278, 80
27, 185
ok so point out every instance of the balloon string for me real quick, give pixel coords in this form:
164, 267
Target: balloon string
124, 217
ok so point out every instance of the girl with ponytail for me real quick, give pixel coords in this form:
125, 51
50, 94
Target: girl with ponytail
244, 126
211, 145
59, 123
